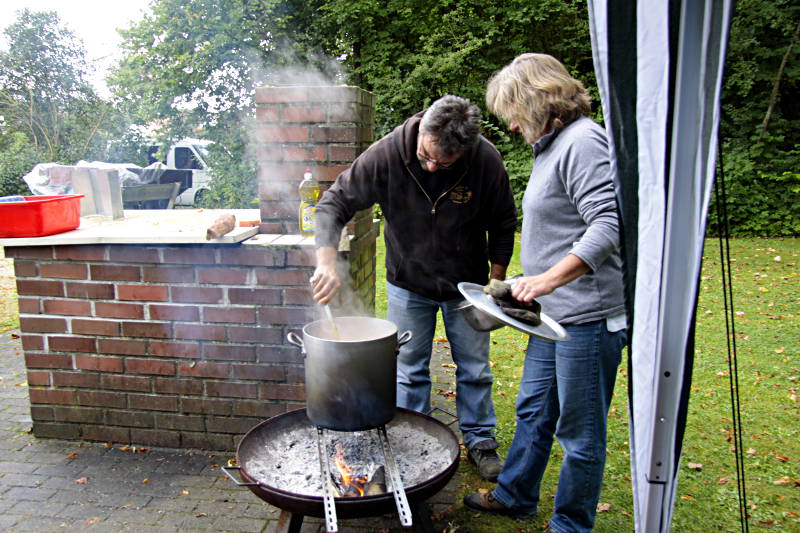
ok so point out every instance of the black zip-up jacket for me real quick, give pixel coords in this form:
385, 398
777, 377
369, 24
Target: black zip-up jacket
432, 243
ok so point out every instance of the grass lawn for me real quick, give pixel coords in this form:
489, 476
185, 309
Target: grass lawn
766, 294
767, 303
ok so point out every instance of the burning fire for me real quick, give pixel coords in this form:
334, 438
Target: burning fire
350, 483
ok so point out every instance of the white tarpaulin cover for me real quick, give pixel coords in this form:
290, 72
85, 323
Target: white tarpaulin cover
659, 69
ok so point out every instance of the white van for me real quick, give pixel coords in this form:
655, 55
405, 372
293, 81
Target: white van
187, 154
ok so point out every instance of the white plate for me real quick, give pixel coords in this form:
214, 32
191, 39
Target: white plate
549, 329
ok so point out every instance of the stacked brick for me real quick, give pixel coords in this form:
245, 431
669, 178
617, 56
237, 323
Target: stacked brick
179, 346
323, 128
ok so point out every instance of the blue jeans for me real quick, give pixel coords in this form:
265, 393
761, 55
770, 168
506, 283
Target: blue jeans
565, 391
470, 349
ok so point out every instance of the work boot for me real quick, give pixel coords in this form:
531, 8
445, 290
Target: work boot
484, 456
486, 503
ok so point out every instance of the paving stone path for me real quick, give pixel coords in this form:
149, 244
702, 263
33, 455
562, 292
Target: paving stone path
53, 485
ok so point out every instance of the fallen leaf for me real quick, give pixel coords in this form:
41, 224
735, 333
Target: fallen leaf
626, 513
146, 480
185, 492
199, 515
723, 480
483, 491
73, 455
81, 481
785, 480
781, 458
791, 514
695, 466
751, 451
779, 350
688, 497
91, 521
603, 507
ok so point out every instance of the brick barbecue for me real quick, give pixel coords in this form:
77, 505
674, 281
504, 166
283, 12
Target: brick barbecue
184, 345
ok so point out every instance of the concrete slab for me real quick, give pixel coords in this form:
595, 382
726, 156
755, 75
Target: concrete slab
147, 226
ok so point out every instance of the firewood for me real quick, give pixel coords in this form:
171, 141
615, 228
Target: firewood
224, 224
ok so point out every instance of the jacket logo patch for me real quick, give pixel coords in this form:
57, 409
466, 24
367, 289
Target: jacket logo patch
461, 195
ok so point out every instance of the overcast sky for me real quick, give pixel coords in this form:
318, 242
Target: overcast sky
94, 21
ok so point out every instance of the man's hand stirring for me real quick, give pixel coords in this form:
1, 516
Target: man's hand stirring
325, 282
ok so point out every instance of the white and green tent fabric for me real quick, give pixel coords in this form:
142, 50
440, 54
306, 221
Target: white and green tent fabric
659, 68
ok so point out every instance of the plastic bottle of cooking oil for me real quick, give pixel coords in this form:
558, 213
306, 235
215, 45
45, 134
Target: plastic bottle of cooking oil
309, 194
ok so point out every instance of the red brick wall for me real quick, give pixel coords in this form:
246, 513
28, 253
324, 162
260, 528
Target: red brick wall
181, 346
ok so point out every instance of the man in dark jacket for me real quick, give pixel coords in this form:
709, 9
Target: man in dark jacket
449, 213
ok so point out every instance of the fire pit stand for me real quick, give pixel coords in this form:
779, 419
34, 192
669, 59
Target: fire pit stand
399, 492
289, 522
254, 457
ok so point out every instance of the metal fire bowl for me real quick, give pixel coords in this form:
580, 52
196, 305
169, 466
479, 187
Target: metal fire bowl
252, 445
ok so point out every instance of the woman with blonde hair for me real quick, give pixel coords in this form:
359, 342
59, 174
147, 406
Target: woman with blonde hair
572, 267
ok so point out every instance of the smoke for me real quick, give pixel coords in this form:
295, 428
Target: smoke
283, 151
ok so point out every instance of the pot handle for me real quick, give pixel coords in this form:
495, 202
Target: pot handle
297, 341
230, 476
404, 338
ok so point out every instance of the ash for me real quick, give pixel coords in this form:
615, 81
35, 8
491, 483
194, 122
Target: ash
290, 462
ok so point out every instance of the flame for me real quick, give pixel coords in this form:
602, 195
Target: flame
348, 479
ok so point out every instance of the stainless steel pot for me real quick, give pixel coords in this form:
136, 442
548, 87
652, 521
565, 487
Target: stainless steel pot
350, 371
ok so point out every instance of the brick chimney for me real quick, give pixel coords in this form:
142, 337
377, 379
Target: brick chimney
323, 128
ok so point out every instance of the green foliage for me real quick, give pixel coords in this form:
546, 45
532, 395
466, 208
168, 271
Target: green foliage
759, 203
233, 178
17, 158
410, 53
761, 119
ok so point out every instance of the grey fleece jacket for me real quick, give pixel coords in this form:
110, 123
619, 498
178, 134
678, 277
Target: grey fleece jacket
570, 207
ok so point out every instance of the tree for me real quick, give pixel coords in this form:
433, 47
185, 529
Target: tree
411, 52
44, 93
760, 130
192, 68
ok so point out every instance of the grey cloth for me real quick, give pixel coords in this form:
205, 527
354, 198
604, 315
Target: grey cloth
569, 206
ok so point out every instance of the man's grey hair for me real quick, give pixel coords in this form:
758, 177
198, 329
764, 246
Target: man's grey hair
454, 122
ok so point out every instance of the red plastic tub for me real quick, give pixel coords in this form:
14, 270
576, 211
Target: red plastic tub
38, 216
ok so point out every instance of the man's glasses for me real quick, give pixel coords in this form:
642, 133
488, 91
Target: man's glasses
439, 164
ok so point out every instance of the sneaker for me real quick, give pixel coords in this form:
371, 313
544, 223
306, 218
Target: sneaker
484, 456
486, 503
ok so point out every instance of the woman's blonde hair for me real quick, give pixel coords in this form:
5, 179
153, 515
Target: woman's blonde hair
536, 92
